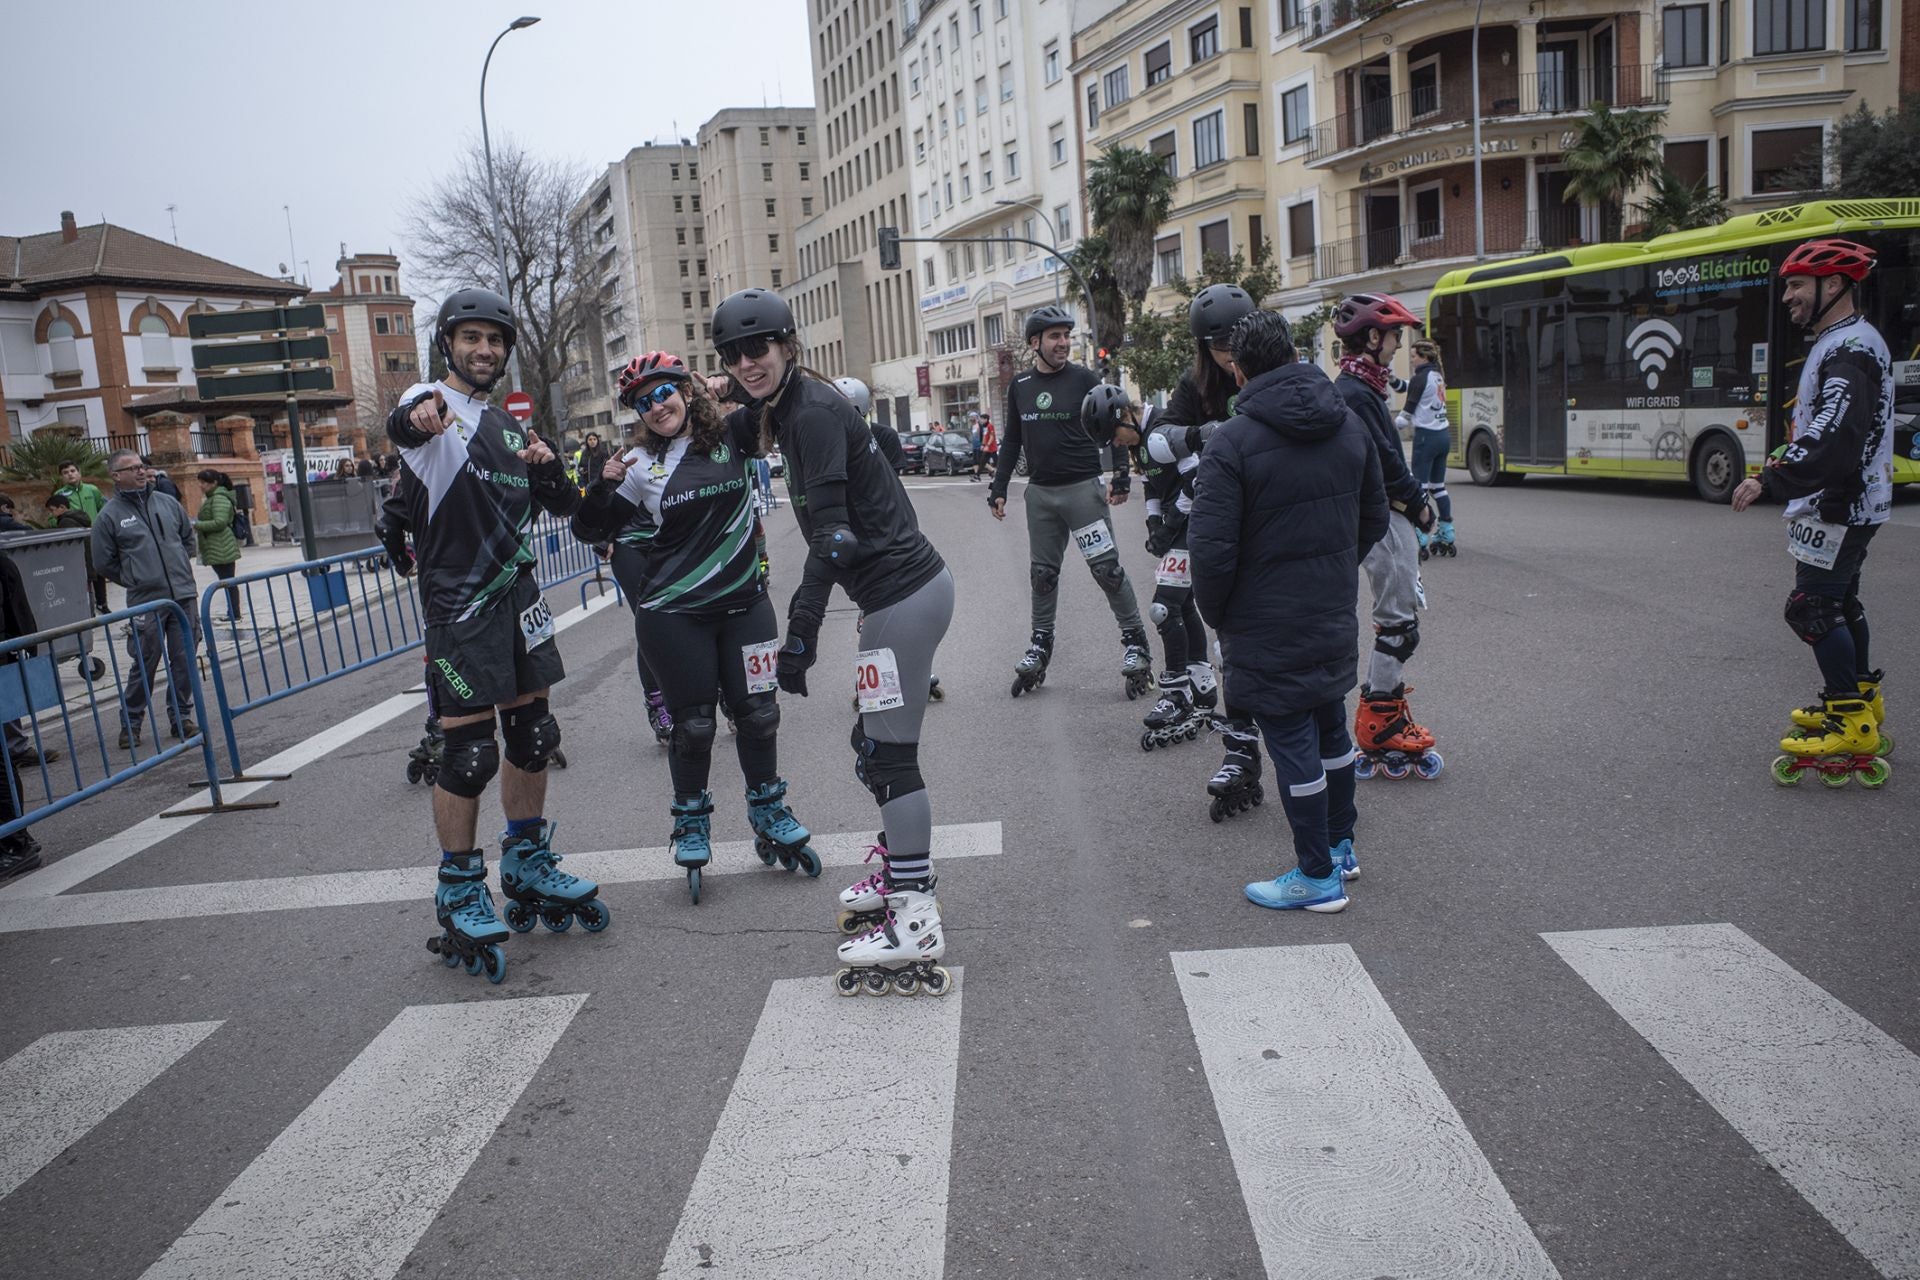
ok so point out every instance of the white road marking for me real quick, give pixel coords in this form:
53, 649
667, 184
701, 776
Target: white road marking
830, 1159
1352, 1161
415, 883
347, 1190
59, 1087
1828, 1098
78, 868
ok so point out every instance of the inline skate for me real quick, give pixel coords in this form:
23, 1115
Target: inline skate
470, 933
1841, 749
423, 762
776, 832
1814, 717
530, 876
899, 954
934, 692
862, 905
658, 717
1031, 673
1206, 689
1136, 662
692, 840
1235, 787
1174, 718
1442, 540
1388, 739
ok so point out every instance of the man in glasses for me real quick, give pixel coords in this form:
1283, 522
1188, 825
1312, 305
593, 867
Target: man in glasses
143, 540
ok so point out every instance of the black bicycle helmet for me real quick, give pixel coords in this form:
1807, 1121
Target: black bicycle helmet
473, 304
1047, 318
1105, 408
751, 313
1216, 309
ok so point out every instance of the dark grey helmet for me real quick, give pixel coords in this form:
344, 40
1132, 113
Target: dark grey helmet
474, 304
1047, 318
751, 313
1216, 309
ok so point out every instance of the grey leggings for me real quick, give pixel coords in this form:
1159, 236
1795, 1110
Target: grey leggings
912, 628
1054, 512
1393, 568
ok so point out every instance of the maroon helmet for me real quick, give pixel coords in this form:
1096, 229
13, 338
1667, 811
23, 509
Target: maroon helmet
1365, 311
1829, 258
650, 367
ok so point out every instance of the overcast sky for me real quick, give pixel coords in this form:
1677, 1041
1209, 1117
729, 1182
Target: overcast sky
344, 110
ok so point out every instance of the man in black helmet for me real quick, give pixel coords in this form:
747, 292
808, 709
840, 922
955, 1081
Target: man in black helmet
473, 477
1065, 498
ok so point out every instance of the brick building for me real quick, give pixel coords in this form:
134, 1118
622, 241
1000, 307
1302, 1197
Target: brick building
376, 355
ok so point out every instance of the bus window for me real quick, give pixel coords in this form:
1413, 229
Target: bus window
1894, 309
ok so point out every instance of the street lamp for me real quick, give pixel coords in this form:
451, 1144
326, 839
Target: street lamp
493, 195
1479, 203
1052, 235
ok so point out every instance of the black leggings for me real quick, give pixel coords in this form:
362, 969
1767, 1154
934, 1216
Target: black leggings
693, 656
233, 593
626, 563
1177, 617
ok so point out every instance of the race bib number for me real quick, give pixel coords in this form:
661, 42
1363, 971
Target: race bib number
1815, 542
876, 680
761, 661
536, 623
1094, 540
1174, 571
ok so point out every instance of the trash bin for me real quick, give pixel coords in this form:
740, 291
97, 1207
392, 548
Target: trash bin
53, 568
343, 515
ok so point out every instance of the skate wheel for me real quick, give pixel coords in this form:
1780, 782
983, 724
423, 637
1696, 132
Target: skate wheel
1836, 778
905, 983
1258, 795
519, 917
693, 884
558, 759
1875, 775
1886, 745
846, 982
936, 694
475, 964
1146, 741
1364, 768
767, 851
937, 981
808, 860
849, 921
1019, 686
1786, 770
786, 859
594, 915
1217, 810
1429, 765
557, 919
493, 961
413, 771
1396, 769
876, 982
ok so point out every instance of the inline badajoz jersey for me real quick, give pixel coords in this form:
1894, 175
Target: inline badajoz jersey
1838, 467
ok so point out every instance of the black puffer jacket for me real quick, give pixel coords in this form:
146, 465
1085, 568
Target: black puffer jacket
1403, 491
1287, 501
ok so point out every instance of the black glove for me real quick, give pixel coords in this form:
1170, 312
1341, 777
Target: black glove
1423, 516
1159, 537
796, 655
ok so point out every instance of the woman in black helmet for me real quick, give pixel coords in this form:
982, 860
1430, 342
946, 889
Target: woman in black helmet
863, 535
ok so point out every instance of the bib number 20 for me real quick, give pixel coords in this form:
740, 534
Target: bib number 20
876, 680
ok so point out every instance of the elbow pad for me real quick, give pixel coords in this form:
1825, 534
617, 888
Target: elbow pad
837, 546
1167, 445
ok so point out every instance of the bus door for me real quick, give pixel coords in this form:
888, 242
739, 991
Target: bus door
1534, 378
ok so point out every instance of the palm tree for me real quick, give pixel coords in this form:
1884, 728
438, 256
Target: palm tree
1129, 194
1615, 152
1675, 206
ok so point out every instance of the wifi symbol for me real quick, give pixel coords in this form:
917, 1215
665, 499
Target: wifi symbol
1651, 344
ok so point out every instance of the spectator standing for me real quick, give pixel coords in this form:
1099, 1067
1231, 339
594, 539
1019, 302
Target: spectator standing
219, 547
19, 852
82, 495
143, 541
988, 453
9, 521
162, 482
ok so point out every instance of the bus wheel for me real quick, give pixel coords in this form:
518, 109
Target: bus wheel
1716, 468
1482, 464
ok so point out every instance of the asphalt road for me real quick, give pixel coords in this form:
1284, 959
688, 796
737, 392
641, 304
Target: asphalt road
1518, 1052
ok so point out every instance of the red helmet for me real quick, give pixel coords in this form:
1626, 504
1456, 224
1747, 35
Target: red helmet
650, 367
1371, 311
1829, 258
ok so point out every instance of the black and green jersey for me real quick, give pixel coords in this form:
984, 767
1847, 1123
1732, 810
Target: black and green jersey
692, 514
473, 505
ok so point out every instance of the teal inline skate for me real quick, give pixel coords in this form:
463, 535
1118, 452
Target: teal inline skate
530, 875
692, 840
777, 834
470, 933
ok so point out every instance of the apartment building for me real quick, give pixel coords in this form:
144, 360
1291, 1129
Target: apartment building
854, 317
376, 355
759, 176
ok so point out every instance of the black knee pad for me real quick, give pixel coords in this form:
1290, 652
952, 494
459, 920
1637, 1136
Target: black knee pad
470, 759
758, 717
1399, 640
532, 735
889, 770
1109, 573
1045, 580
1853, 610
693, 732
1812, 616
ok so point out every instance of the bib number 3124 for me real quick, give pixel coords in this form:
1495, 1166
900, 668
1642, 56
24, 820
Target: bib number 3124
876, 680
536, 623
1815, 542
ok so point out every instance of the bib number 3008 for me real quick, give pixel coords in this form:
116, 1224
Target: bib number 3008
1093, 540
1815, 542
876, 680
762, 662
536, 623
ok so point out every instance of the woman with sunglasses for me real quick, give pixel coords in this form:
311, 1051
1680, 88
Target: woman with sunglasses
680, 504
862, 534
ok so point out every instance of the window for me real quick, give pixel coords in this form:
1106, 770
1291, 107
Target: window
1863, 26
954, 27
1789, 26
689, 331
1168, 153
952, 341
806, 206
770, 207
1424, 81
926, 272
1209, 139
704, 299
1013, 165
1093, 105
1726, 32
959, 109
1006, 84
766, 137
1028, 231
679, 237
1063, 221
913, 79
980, 96
986, 255
673, 171
1300, 229
1294, 116
1427, 216
1050, 63
994, 329
72, 415
919, 145
1256, 236
806, 172
800, 136
974, 17
1687, 161
1166, 260
1784, 158
1114, 83
1216, 240
776, 277
1203, 39
1057, 144
1250, 124
936, 48
695, 206
379, 324
693, 175
766, 173
699, 235
966, 183
773, 244
686, 300
953, 264
948, 184
156, 344
683, 268
967, 256
1683, 30
943, 119
926, 210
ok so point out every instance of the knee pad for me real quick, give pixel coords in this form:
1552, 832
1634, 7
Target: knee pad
758, 717
1109, 573
470, 759
1812, 616
1045, 580
1399, 640
1157, 613
889, 770
693, 732
532, 735
1853, 611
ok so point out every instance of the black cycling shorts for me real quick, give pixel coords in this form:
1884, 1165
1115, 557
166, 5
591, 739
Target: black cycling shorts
484, 661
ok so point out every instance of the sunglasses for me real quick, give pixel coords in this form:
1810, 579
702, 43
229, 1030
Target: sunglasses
745, 349
645, 400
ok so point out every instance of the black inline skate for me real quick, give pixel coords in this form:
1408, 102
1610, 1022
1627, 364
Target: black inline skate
470, 933
423, 762
1174, 718
934, 692
1136, 662
1236, 787
1031, 673
658, 718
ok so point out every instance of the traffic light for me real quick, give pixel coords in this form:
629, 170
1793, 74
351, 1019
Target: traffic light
1105, 365
889, 248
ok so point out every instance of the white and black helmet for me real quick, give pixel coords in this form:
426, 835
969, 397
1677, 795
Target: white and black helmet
857, 393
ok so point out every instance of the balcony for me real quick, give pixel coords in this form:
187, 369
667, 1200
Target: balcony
1446, 105
1385, 248
1328, 18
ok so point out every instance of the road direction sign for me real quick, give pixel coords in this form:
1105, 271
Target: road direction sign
254, 320
520, 405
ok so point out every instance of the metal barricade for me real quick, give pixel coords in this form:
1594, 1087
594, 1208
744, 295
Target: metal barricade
75, 721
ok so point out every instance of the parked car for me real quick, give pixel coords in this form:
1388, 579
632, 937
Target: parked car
913, 448
776, 465
949, 454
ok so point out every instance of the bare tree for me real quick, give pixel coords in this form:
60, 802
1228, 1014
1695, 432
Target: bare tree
449, 231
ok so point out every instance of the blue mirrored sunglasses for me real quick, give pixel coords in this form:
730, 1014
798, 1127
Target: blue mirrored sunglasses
645, 400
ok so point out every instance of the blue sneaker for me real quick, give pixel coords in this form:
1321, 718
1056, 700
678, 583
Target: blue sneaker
1296, 890
1342, 855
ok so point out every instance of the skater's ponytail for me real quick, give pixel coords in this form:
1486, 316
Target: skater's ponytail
795, 370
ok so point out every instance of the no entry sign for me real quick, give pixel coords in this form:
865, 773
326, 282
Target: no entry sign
520, 405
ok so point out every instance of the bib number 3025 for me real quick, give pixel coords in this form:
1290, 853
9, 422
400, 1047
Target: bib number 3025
536, 623
876, 680
1815, 542
1094, 540
1174, 570
762, 662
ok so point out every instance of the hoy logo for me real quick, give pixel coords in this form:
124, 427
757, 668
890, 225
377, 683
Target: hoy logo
1652, 344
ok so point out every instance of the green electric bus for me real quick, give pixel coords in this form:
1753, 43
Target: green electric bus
1670, 359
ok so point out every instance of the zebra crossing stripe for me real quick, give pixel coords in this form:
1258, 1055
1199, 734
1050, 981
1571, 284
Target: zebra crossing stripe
1352, 1161
59, 1087
1829, 1099
830, 1157
348, 1189
407, 884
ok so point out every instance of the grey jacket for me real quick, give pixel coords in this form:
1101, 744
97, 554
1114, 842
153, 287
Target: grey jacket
144, 542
